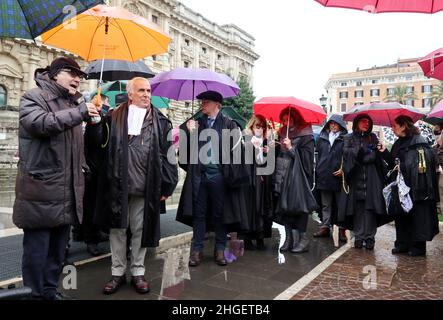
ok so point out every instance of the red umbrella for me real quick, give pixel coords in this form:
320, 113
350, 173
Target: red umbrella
384, 114
270, 107
432, 65
437, 111
379, 6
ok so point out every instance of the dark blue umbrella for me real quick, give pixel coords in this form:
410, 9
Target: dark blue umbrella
28, 19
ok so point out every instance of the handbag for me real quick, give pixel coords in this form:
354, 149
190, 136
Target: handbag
396, 194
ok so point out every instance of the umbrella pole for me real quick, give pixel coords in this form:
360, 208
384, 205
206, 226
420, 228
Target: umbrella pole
289, 120
103, 63
193, 87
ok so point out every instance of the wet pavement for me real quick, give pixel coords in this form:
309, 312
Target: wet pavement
379, 275
257, 275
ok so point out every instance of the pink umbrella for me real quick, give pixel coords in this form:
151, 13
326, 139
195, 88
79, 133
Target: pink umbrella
432, 65
384, 114
437, 111
379, 6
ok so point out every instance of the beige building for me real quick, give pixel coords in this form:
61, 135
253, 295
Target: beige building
196, 43
346, 90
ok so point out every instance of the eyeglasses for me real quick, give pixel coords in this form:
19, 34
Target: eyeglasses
73, 73
259, 126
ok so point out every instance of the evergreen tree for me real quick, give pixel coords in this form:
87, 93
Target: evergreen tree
243, 103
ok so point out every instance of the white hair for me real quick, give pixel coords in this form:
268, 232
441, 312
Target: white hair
130, 85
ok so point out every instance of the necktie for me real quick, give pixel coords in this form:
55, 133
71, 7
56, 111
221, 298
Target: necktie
210, 122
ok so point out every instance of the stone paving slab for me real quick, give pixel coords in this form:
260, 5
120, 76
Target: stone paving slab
398, 277
256, 275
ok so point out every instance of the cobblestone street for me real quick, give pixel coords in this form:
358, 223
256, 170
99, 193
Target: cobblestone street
398, 277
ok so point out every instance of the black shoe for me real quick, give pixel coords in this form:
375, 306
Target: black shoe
195, 258
59, 296
397, 250
248, 245
358, 244
93, 250
369, 245
261, 244
416, 253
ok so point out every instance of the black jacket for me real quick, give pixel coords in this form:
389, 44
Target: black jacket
329, 158
365, 173
161, 178
235, 215
424, 185
50, 182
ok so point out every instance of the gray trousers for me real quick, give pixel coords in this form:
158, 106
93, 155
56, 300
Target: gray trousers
327, 200
365, 223
117, 239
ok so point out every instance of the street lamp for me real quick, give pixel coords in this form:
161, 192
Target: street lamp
323, 100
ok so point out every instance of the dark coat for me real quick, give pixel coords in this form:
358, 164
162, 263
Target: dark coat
50, 182
329, 157
260, 208
365, 174
424, 186
302, 143
161, 174
235, 211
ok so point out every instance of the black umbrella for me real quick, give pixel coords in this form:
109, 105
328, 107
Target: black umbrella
118, 70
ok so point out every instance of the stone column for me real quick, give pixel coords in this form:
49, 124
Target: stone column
197, 54
212, 58
178, 49
33, 60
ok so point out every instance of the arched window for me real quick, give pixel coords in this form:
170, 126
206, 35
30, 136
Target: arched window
2, 96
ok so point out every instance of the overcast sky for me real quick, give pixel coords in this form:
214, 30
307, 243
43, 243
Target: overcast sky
302, 43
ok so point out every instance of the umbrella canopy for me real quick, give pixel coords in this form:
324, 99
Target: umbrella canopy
384, 114
270, 107
433, 121
379, 6
432, 65
160, 102
113, 89
437, 111
118, 70
105, 32
187, 83
29, 19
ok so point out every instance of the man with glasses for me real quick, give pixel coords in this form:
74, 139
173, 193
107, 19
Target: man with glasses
50, 180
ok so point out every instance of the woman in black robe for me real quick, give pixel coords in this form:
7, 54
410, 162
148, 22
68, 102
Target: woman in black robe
295, 160
417, 165
260, 192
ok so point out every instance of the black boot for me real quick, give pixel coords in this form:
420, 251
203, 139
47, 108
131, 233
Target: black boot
260, 244
248, 245
288, 240
303, 245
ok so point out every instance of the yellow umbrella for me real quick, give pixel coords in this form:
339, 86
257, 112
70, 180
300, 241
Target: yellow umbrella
105, 32
108, 32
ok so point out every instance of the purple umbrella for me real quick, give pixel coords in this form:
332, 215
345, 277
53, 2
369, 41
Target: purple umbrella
187, 84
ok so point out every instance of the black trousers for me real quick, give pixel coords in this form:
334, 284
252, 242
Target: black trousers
43, 255
404, 229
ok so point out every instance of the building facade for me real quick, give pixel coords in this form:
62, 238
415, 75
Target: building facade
196, 42
345, 90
